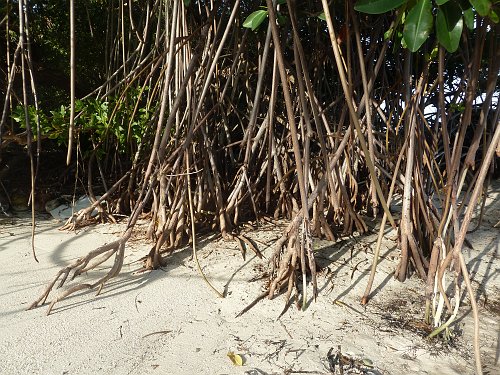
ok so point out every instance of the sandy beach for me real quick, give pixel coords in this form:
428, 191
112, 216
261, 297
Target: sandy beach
169, 322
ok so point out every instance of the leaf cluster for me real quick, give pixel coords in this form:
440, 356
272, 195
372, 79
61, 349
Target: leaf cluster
418, 18
110, 121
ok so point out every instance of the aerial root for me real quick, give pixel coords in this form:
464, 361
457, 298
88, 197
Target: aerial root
259, 298
78, 218
292, 257
245, 241
80, 266
66, 293
82, 217
282, 261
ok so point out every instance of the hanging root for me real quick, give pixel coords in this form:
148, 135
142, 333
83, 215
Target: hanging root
81, 265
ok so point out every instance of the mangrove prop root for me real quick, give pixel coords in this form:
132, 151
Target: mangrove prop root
80, 265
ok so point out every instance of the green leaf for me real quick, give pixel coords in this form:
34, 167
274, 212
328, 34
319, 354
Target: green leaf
493, 16
186, 3
388, 34
254, 20
433, 53
79, 105
464, 4
469, 18
449, 26
281, 19
377, 6
418, 25
322, 16
441, 2
481, 6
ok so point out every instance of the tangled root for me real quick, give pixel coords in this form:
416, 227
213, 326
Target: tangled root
292, 257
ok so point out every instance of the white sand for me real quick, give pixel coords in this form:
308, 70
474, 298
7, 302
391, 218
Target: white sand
107, 334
